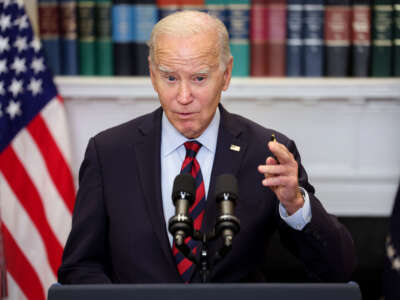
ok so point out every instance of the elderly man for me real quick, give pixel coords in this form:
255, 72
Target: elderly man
119, 232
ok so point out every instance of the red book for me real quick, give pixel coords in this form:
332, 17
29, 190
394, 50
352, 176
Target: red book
276, 38
192, 4
167, 7
258, 38
49, 18
361, 38
337, 37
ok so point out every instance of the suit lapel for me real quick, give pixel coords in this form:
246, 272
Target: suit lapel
230, 151
148, 160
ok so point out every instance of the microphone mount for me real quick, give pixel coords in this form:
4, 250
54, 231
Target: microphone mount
227, 225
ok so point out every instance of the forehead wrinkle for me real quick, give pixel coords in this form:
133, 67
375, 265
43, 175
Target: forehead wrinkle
167, 70
181, 58
203, 71
199, 65
206, 55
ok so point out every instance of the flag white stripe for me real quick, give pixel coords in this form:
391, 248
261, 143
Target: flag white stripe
36, 190
57, 213
14, 292
25, 234
54, 116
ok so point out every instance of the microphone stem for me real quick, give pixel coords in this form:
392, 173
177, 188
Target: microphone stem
205, 268
179, 239
228, 237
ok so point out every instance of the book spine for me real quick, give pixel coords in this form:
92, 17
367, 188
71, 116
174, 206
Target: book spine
276, 39
50, 33
86, 33
396, 41
217, 8
146, 17
258, 38
238, 16
167, 7
361, 35
313, 38
103, 43
337, 37
69, 37
122, 37
382, 38
192, 5
294, 41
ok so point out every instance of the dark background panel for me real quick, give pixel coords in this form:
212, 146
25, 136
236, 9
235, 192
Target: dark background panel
369, 234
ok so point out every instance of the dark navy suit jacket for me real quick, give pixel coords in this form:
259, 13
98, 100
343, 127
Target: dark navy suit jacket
119, 234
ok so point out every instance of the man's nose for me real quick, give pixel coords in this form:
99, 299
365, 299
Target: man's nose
184, 92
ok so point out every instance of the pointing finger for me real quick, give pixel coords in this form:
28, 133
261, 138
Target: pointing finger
281, 152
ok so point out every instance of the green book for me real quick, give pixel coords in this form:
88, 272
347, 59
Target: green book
396, 71
238, 20
86, 36
103, 43
382, 33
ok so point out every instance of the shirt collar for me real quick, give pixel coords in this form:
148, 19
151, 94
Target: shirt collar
172, 139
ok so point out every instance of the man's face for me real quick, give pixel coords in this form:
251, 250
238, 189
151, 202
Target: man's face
188, 78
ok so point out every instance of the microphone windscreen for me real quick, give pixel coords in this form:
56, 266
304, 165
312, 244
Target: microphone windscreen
226, 183
183, 183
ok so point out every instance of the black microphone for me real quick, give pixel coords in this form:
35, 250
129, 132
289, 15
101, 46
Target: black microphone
183, 196
226, 193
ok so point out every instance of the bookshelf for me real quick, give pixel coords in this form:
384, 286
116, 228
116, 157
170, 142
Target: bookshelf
346, 129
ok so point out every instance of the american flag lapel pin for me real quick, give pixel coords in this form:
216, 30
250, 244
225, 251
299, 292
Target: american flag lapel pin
235, 148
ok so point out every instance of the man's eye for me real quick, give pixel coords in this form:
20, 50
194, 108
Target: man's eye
171, 78
200, 78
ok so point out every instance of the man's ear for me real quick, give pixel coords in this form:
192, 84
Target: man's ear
228, 74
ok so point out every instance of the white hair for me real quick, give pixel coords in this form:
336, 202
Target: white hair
188, 23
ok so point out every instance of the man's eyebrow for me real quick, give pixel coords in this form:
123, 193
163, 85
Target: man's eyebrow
204, 71
164, 69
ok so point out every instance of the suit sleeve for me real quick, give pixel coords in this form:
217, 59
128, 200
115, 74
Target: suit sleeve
324, 245
86, 254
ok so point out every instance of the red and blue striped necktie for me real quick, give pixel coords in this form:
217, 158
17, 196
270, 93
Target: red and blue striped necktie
191, 166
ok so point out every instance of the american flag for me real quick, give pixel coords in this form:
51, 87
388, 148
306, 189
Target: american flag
36, 185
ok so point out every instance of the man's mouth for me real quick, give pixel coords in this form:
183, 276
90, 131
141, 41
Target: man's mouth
185, 114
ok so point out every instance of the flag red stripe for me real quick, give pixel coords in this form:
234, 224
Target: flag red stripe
61, 99
26, 192
55, 162
20, 268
